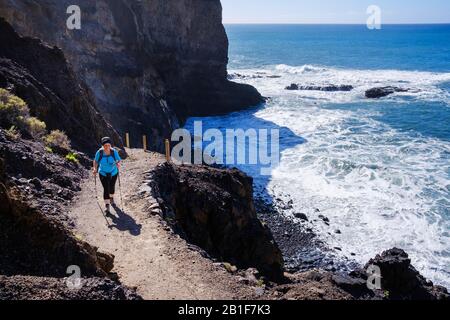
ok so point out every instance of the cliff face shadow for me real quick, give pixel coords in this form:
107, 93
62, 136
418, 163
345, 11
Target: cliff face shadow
248, 120
287, 140
123, 222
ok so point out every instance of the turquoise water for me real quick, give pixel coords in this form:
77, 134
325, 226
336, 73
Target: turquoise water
379, 169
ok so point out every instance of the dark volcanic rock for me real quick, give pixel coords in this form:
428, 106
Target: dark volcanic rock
329, 88
258, 75
292, 86
214, 209
381, 92
41, 76
34, 234
301, 248
37, 288
301, 216
322, 285
149, 64
402, 280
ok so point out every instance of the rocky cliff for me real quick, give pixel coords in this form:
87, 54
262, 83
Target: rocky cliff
41, 76
150, 64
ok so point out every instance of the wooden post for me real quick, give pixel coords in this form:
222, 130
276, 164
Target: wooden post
144, 141
168, 158
127, 140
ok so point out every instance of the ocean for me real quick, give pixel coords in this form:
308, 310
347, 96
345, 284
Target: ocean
378, 169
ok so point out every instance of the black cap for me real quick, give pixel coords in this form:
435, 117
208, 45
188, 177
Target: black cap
106, 140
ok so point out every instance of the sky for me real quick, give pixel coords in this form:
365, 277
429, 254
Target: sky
334, 11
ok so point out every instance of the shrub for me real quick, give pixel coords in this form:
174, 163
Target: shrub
13, 110
72, 157
58, 139
36, 127
13, 133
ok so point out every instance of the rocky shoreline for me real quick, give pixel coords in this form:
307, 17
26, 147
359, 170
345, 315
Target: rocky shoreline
201, 194
301, 247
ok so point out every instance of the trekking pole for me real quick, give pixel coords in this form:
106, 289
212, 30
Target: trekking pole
98, 201
120, 190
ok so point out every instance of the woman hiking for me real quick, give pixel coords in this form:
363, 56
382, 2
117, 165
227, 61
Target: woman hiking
107, 164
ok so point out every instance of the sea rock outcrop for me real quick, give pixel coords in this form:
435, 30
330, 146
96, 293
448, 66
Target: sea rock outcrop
41, 76
381, 92
399, 281
213, 208
150, 64
327, 88
402, 281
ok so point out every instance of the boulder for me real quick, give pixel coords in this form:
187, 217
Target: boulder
402, 281
292, 86
301, 216
381, 92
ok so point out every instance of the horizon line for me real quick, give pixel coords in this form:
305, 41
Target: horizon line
333, 23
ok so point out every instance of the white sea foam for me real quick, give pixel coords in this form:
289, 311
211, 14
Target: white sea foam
381, 187
423, 85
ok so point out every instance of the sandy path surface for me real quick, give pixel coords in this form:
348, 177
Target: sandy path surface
148, 255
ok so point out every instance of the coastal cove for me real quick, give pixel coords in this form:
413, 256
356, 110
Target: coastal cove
376, 169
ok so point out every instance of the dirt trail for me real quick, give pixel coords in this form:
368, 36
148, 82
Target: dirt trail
148, 255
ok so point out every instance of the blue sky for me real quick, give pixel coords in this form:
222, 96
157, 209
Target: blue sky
334, 11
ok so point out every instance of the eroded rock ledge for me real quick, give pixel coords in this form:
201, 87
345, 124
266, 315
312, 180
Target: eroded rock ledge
213, 208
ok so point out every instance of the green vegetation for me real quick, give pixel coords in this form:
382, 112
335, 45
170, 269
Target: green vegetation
57, 138
36, 127
15, 115
229, 267
260, 283
13, 110
72, 157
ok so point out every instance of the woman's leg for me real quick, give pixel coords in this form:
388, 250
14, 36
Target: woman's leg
112, 187
106, 188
